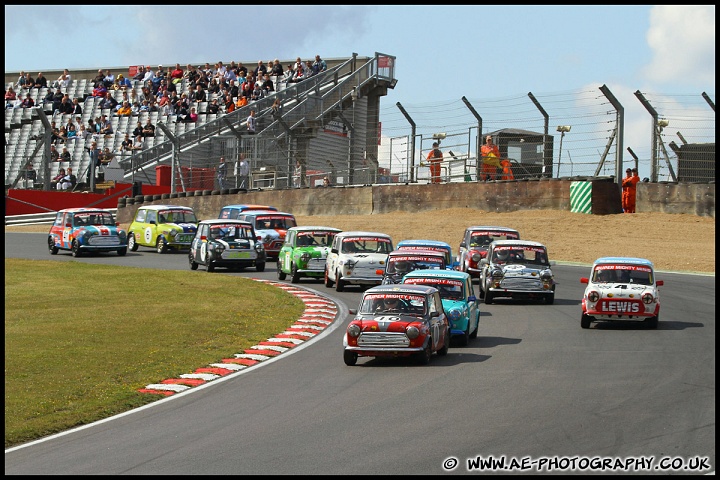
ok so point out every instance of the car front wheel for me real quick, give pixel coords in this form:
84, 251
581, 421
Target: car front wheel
350, 358
339, 283
122, 252
652, 322
260, 267
328, 282
424, 356
295, 274
193, 263
75, 248
52, 247
132, 244
280, 274
444, 350
161, 245
585, 321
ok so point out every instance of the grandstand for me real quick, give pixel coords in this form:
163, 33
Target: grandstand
329, 122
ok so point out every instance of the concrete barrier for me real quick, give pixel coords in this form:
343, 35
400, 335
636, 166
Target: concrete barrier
504, 196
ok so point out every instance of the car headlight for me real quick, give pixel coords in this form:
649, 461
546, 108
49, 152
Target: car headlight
455, 314
353, 330
259, 246
305, 257
546, 275
350, 262
476, 257
171, 233
122, 233
593, 296
412, 332
497, 274
648, 298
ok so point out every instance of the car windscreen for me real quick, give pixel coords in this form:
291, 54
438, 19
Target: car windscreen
231, 232
483, 239
638, 274
274, 222
393, 302
97, 218
450, 289
176, 216
314, 239
402, 264
366, 245
518, 254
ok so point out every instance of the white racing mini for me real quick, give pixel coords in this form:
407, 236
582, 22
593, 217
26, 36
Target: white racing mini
518, 269
621, 289
356, 257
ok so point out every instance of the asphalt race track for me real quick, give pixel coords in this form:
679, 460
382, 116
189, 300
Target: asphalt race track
533, 387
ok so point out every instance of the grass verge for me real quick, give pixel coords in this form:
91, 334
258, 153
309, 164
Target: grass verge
81, 339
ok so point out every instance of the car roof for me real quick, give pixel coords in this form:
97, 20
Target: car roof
250, 206
454, 274
224, 221
623, 260
420, 242
359, 233
311, 228
416, 252
490, 228
266, 212
401, 288
165, 207
84, 209
530, 243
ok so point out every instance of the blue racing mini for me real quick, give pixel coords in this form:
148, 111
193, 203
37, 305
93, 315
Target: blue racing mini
86, 230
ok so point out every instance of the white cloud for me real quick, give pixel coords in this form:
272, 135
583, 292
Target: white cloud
683, 41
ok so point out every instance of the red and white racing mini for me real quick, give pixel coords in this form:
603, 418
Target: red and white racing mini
621, 289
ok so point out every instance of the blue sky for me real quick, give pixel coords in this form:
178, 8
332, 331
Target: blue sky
499, 51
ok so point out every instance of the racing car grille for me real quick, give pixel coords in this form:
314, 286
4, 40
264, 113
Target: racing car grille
366, 271
522, 283
184, 237
383, 339
316, 264
97, 241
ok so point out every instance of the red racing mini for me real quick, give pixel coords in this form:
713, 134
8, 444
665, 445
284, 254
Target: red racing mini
398, 321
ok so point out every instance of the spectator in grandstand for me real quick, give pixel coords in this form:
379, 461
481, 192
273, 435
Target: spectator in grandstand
40, 81
435, 158
54, 132
124, 83
84, 133
214, 86
66, 107
99, 91
257, 93
68, 181
149, 129
208, 70
228, 101
125, 110
200, 95
99, 79
146, 94
230, 75
267, 84
138, 145
127, 143
108, 79
29, 81
276, 107
260, 70
148, 77
63, 80
233, 89
310, 69
106, 127
76, 107
106, 156
56, 179
297, 174
108, 102
288, 74
242, 69
21, 80
65, 156
246, 90
137, 107
138, 129
214, 107
53, 98
192, 117
61, 136
298, 63
140, 73
321, 65
71, 132
251, 123
241, 101
176, 75
299, 75
54, 154
10, 97
220, 70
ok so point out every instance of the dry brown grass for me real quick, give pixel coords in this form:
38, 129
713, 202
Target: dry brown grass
672, 241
